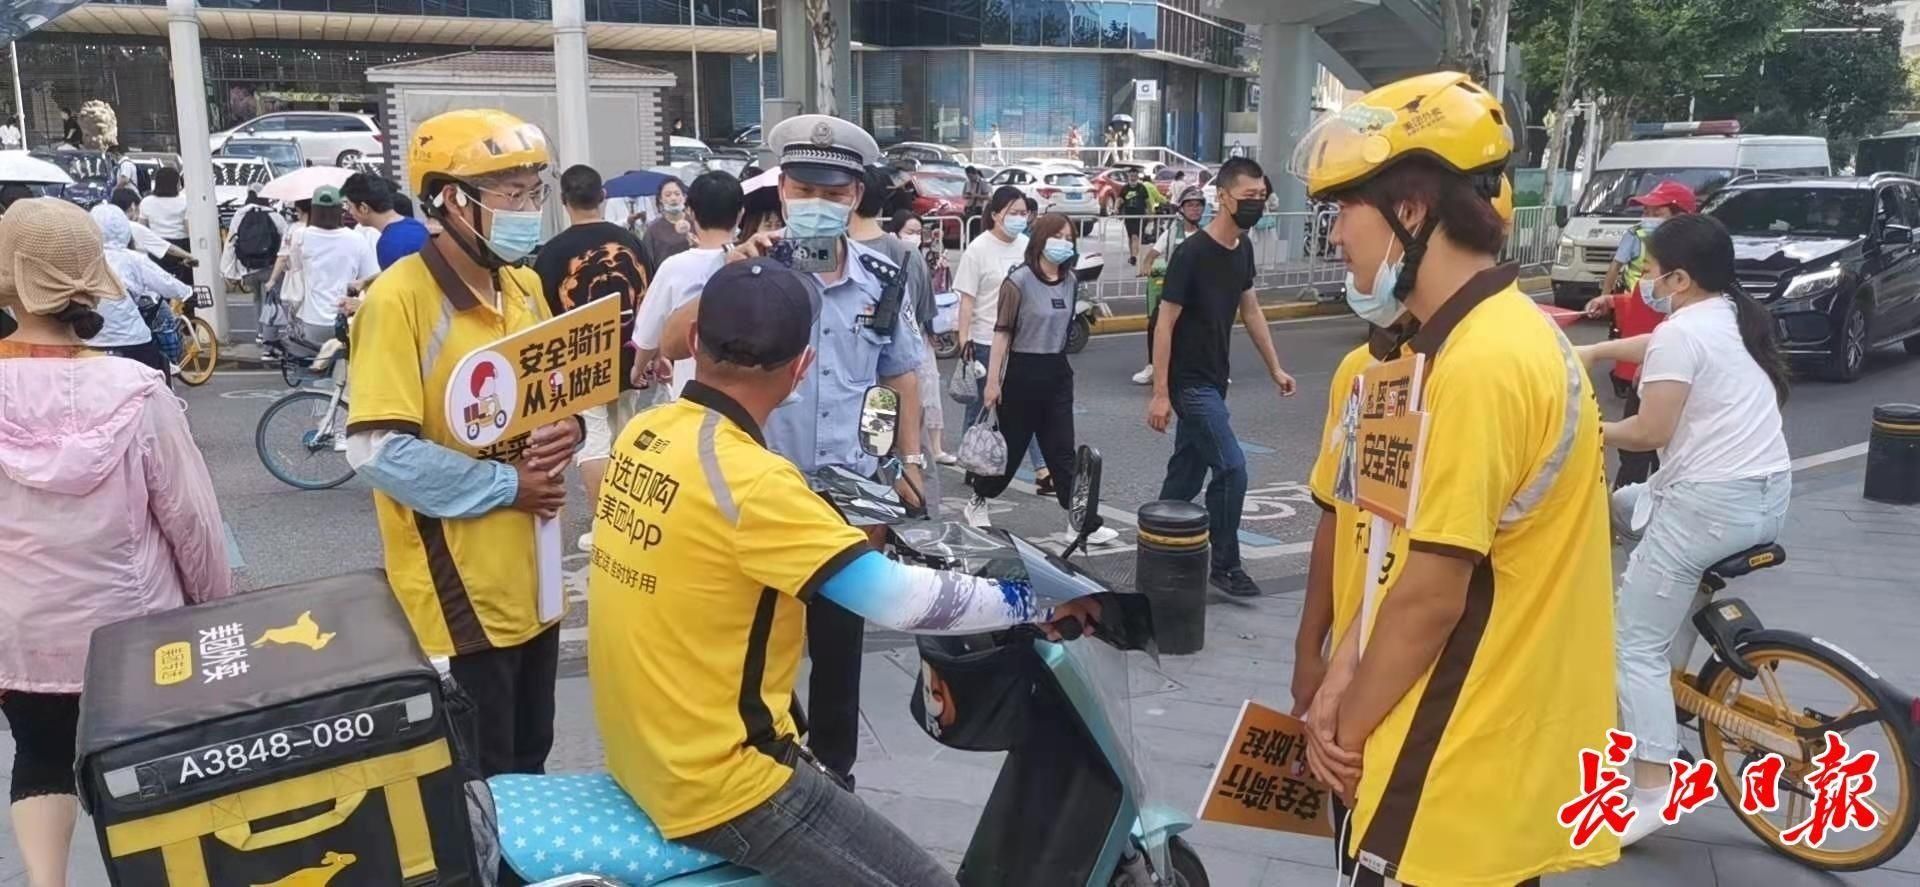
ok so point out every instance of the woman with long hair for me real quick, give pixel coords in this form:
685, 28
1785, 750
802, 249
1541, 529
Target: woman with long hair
1711, 384
106, 508
671, 233
1029, 380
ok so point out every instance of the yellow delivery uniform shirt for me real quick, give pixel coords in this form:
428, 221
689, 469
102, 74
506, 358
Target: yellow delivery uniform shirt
1351, 525
707, 548
1464, 777
467, 584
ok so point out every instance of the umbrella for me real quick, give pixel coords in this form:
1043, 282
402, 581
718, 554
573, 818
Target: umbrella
301, 183
1121, 118
766, 179
19, 166
638, 183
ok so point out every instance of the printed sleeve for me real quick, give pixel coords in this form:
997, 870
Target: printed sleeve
384, 374
1478, 438
1672, 356
788, 538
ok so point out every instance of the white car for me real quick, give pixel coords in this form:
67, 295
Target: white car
332, 137
1055, 187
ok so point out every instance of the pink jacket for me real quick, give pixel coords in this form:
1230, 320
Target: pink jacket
106, 512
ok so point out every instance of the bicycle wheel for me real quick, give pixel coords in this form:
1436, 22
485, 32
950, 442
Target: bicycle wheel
202, 350
298, 437
1811, 689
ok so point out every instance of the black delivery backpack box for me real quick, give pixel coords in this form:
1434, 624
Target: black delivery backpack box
291, 737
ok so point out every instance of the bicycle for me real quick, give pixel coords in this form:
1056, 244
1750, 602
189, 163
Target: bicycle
200, 349
1738, 727
302, 437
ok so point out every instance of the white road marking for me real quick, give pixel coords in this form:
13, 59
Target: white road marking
1817, 459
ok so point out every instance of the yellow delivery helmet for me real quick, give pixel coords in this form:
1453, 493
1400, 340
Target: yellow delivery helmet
1445, 116
1503, 201
465, 144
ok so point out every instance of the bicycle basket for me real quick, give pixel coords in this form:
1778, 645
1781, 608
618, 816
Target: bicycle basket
970, 695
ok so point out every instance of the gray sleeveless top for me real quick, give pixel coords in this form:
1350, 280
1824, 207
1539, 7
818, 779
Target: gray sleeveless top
1036, 312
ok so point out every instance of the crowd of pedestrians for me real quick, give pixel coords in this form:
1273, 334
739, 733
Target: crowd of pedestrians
1506, 565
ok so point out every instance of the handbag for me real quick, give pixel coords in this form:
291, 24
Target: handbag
983, 449
962, 387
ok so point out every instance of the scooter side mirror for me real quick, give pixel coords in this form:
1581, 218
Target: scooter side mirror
879, 420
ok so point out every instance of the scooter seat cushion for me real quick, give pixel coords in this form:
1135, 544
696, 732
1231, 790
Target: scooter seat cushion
584, 823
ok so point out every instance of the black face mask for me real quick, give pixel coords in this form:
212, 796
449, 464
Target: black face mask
1247, 213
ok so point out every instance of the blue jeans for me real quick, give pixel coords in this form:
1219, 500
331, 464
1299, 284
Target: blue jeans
1689, 527
813, 833
1203, 442
984, 354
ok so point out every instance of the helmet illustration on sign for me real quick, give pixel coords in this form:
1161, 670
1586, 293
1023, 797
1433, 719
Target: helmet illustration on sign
484, 400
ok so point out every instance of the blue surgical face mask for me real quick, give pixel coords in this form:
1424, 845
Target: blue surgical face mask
1660, 304
514, 233
1651, 223
1377, 307
1014, 225
817, 217
1059, 250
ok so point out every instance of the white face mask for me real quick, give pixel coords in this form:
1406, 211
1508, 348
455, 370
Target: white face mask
910, 239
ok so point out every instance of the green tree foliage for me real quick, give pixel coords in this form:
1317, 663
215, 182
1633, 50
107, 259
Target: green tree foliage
1649, 59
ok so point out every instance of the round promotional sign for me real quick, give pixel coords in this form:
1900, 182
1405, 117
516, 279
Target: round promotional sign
480, 398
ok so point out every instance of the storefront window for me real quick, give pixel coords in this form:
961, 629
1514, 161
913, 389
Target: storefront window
996, 22
1056, 23
1026, 23
1144, 22
1086, 24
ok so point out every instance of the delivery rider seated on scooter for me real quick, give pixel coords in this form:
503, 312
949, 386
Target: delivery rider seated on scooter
697, 607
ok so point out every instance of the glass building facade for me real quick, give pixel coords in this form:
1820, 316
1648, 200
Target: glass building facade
929, 70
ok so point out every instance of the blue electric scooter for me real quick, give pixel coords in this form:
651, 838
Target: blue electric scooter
1069, 807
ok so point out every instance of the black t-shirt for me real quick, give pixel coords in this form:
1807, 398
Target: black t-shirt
1133, 199
587, 262
1205, 279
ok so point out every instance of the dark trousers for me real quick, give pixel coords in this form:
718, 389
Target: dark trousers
836, 637
512, 690
1204, 444
178, 267
43, 727
1036, 403
147, 353
1635, 465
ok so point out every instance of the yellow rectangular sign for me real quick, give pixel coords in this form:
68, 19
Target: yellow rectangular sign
539, 375
1262, 778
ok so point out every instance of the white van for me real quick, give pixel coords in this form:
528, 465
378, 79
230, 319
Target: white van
1631, 168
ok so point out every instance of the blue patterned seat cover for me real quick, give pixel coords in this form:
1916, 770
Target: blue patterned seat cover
584, 823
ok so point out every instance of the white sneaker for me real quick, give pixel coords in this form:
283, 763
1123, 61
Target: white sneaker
1102, 536
976, 513
1145, 376
586, 542
1648, 800
947, 459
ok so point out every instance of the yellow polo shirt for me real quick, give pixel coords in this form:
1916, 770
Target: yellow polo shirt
467, 584
1465, 775
707, 548
1351, 525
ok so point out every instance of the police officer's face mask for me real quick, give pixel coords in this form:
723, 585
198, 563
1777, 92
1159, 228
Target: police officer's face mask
800, 368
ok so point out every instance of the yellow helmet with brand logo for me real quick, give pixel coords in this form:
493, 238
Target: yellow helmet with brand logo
1444, 116
466, 144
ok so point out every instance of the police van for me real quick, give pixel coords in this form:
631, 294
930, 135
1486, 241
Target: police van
1701, 155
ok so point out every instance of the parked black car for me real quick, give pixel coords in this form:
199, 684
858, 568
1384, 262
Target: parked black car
1834, 258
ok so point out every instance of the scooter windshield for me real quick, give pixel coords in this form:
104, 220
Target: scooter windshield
997, 554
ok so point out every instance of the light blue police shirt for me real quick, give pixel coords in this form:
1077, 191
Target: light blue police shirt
817, 427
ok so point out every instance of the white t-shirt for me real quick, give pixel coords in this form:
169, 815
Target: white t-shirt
286, 240
167, 216
148, 242
679, 280
1729, 428
328, 259
982, 268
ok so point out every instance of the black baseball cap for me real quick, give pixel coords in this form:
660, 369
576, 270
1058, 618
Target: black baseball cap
756, 313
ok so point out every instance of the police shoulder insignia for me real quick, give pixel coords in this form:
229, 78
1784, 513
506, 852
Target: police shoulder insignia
881, 268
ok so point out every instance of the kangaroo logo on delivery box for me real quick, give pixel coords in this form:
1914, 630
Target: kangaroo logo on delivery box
483, 400
304, 631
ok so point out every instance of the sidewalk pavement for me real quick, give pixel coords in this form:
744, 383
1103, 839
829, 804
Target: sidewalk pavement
1848, 578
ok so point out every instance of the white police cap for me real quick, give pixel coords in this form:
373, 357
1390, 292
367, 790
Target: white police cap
822, 150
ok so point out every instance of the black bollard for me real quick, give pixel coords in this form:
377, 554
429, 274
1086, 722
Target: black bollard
1893, 455
1170, 568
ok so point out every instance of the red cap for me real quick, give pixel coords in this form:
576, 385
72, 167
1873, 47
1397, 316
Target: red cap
1669, 193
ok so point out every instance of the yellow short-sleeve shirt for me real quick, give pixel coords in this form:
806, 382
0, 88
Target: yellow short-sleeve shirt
1351, 524
1464, 776
467, 584
706, 549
